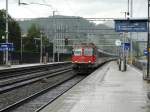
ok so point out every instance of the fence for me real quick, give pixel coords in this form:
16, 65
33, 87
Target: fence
31, 57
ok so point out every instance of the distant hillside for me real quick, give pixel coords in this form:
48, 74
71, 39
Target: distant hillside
56, 24
75, 28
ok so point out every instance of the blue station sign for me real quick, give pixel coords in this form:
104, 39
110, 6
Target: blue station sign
145, 52
126, 45
6, 47
131, 25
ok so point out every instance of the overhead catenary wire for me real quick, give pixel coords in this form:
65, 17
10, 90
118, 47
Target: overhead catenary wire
42, 4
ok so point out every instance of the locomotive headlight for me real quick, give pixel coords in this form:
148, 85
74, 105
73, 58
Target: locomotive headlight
76, 61
89, 61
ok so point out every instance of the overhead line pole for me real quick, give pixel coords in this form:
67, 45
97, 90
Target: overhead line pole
41, 48
131, 8
131, 46
148, 46
21, 49
128, 7
6, 58
54, 36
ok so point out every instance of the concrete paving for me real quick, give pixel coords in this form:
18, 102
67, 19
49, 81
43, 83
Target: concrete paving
106, 90
24, 65
18, 66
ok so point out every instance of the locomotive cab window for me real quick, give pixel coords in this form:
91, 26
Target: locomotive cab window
77, 52
88, 51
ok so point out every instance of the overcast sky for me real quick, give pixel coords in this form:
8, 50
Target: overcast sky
83, 8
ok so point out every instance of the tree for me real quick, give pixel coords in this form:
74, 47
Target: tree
13, 29
32, 41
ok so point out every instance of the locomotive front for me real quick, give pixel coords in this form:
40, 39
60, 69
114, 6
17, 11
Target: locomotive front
84, 58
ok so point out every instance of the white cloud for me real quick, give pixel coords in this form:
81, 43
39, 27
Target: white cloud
84, 8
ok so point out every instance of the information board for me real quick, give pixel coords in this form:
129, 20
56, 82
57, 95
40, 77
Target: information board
145, 52
126, 46
131, 25
6, 47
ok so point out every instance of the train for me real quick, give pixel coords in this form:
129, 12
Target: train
86, 58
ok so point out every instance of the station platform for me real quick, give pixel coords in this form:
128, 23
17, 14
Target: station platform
25, 65
106, 90
18, 66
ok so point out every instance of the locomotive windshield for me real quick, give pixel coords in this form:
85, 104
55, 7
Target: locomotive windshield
88, 51
77, 52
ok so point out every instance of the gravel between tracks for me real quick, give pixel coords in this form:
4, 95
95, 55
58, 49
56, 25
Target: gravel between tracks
47, 97
22, 92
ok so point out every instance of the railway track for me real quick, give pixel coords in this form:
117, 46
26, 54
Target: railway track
16, 82
21, 105
14, 72
37, 92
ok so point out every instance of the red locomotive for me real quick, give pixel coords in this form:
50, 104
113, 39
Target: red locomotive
85, 58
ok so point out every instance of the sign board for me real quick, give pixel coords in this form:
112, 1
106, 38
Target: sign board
145, 52
126, 46
118, 43
6, 47
131, 25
